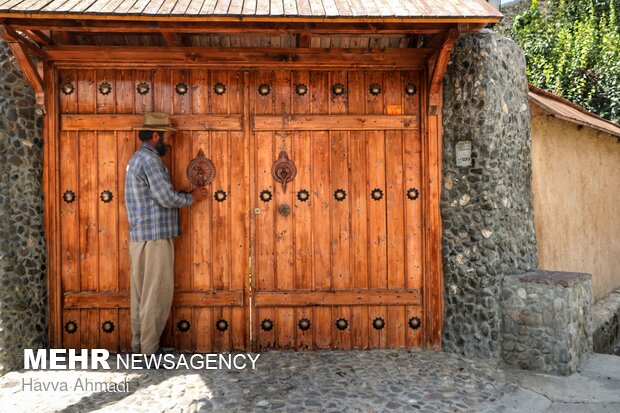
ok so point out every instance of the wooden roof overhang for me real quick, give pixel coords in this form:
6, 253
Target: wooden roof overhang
163, 33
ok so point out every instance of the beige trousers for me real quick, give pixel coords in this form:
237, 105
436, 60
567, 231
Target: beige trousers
152, 288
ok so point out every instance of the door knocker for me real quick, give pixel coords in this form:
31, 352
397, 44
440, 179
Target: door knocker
284, 210
283, 169
201, 170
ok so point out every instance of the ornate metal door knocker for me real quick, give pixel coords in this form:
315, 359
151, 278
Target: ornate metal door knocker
201, 170
283, 169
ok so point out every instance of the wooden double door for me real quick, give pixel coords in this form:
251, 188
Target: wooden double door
333, 261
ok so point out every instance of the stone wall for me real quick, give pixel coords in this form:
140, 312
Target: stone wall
22, 247
488, 226
606, 324
547, 321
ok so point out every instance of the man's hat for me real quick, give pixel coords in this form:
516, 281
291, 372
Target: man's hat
156, 121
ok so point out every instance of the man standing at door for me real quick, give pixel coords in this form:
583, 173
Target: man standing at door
152, 208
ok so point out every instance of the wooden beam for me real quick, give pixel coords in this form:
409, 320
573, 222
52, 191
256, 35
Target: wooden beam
172, 39
39, 37
181, 298
334, 122
24, 61
349, 297
129, 122
90, 56
10, 35
62, 37
136, 26
439, 63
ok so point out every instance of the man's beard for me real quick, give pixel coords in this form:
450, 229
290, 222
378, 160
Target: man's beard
161, 147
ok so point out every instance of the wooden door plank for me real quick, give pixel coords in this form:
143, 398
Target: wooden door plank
304, 338
184, 339
342, 338
302, 210
126, 147
88, 328
356, 98
334, 122
238, 208
340, 210
69, 212
106, 165
124, 330
88, 195
329, 297
108, 339
284, 225
181, 156
413, 181
201, 212
322, 195
71, 340
205, 329
181, 299
221, 122
220, 210
143, 103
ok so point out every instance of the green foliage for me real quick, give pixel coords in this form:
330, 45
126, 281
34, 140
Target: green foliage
572, 49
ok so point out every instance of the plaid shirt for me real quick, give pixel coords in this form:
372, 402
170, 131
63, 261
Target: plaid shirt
150, 199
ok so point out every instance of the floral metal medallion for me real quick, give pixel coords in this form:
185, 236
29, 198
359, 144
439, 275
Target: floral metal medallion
304, 324
413, 194
183, 326
266, 195
410, 89
303, 195
340, 195
220, 195
67, 88
283, 170
107, 327
342, 324
221, 325
338, 89
106, 196
378, 323
267, 325
301, 89
71, 327
264, 89
105, 88
375, 89
181, 88
219, 89
376, 194
68, 196
143, 88
201, 170
414, 323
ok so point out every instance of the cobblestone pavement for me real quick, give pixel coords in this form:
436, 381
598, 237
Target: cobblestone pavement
319, 381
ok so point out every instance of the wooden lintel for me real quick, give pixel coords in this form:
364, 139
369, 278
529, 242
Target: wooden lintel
129, 122
63, 37
350, 297
100, 57
334, 122
137, 26
75, 300
172, 39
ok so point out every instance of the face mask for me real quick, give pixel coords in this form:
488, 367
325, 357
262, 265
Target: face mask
161, 147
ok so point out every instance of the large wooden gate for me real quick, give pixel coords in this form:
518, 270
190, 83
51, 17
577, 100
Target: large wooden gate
343, 269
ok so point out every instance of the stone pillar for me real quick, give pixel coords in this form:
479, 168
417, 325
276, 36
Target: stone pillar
488, 225
23, 302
